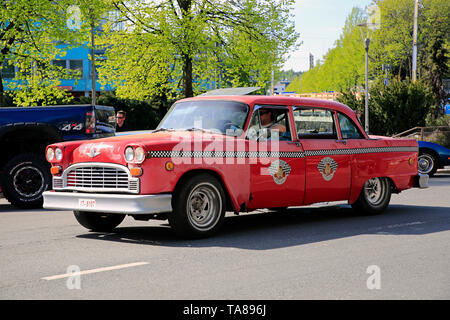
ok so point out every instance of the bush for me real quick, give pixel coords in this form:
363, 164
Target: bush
141, 115
394, 108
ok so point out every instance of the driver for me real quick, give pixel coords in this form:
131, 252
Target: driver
268, 121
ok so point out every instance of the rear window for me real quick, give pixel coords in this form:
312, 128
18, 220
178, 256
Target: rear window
105, 119
314, 123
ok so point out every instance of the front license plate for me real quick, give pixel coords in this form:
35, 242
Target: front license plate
86, 203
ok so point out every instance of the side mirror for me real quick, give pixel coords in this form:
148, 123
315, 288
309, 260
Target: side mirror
264, 134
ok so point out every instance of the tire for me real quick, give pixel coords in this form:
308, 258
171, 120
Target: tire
96, 221
24, 179
427, 163
198, 207
374, 197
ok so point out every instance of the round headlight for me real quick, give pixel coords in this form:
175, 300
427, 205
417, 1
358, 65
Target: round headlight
58, 154
139, 154
129, 154
50, 154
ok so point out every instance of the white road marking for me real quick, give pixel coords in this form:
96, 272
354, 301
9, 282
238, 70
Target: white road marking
122, 266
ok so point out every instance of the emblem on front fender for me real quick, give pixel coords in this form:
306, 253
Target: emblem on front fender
327, 167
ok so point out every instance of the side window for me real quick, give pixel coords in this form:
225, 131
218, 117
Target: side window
269, 123
348, 128
313, 123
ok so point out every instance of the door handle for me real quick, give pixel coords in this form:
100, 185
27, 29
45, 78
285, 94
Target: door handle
342, 141
297, 143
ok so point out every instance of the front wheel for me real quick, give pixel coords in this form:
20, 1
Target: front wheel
96, 221
374, 197
198, 207
24, 179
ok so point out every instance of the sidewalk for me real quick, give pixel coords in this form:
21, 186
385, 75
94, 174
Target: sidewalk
446, 169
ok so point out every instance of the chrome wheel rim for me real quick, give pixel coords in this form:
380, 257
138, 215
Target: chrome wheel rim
28, 181
204, 206
374, 191
425, 163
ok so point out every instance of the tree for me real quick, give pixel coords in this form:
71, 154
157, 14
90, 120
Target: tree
32, 34
434, 56
173, 47
395, 108
344, 63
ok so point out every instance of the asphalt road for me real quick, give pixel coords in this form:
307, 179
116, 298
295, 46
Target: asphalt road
306, 253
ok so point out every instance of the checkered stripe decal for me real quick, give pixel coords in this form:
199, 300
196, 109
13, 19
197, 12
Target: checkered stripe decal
269, 154
224, 154
311, 153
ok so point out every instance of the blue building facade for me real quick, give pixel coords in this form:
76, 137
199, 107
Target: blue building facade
75, 59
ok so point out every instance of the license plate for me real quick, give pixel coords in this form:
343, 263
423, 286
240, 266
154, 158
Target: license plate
86, 203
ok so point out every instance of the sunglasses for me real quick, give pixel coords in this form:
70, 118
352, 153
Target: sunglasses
120, 117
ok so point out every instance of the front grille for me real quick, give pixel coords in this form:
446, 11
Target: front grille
97, 178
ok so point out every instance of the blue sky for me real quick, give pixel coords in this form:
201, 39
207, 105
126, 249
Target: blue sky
319, 23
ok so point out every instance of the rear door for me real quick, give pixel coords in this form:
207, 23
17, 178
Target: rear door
328, 166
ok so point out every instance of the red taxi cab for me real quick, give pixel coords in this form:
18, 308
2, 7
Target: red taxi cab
214, 154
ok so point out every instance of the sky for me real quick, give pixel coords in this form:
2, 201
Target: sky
319, 23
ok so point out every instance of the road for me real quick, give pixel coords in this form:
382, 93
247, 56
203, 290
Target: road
306, 253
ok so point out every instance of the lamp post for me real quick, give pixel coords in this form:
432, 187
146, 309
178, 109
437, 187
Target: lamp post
372, 23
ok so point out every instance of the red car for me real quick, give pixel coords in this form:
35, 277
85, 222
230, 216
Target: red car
212, 154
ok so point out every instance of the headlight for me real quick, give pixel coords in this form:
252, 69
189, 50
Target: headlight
139, 154
58, 154
50, 154
129, 154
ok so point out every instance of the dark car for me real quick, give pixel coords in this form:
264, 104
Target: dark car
432, 156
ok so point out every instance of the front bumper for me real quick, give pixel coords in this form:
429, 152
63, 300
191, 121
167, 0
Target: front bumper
108, 203
421, 181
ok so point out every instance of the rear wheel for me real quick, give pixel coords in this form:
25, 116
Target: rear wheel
427, 163
198, 207
96, 221
374, 197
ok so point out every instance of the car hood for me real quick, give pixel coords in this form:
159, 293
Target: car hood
112, 149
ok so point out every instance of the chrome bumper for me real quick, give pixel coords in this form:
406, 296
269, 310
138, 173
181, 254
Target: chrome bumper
421, 181
108, 203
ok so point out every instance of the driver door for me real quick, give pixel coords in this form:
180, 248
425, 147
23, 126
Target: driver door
277, 164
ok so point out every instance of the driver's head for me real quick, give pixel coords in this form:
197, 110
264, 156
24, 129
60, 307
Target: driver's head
266, 116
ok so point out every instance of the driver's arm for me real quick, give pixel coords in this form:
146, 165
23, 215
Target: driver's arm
278, 127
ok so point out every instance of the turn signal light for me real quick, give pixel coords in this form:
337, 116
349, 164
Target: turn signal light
55, 170
136, 172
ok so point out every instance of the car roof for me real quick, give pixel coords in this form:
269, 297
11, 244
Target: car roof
279, 100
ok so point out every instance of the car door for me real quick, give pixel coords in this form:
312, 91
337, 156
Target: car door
277, 164
328, 170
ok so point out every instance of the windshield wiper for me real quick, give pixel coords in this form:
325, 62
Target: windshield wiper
164, 129
199, 129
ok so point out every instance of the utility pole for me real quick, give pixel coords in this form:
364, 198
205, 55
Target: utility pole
414, 56
93, 65
366, 106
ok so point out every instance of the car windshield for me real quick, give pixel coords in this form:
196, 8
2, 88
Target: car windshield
225, 117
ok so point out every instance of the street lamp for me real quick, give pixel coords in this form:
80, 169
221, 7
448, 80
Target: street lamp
372, 23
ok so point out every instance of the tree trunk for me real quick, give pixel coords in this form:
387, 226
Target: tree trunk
187, 76
1, 91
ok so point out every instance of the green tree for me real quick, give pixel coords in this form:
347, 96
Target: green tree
344, 63
32, 34
395, 108
173, 47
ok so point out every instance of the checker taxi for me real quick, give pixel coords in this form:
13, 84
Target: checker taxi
214, 154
